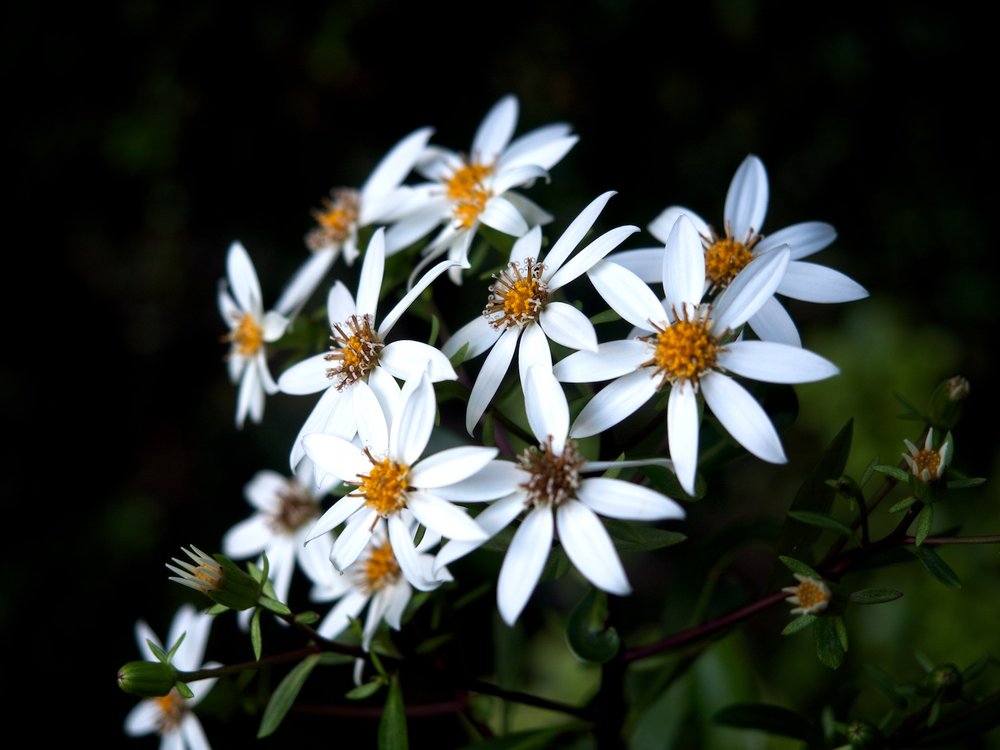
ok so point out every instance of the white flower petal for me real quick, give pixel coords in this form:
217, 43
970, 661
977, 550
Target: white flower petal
527, 246
145, 633
546, 407
614, 402
582, 262
373, 427
413, 227
387, 391
502, 215
773, 323
315, 561
682, 433
531, 211
775, 363
336, 456
496, 479
409, 433
144, 718
590, 548
243, 279
250, 391
306, 377
450, 466
684, 265
544, 146
533, 350
748, 292
304, 282
814, 283
802, 239
626, 293
490, 376
645, 262
395, 165
661, 226
611, 360
566, 325
523, 563
196, 625
406, 555
340, 304
332, 415
493, 518
495, 131
269, 385
742, 417
477, 333
746, 200
263, 489
512, 177
448, 520
372, 269
335, 515
574, 233
281, 562
247, 538
415, 291
193, 734
274, 325
407, 360
397, 597
353, 539
339, 618
615, 498
228, 308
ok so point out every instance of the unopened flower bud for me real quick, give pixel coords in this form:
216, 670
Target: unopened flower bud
947, 401
218, 577
861, 734
947, 680
148, 679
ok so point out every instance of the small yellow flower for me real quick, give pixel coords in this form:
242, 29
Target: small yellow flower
812, 595
926, 464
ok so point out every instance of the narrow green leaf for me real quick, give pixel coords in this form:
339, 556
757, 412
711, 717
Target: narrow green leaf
366, 690
874, 596
963, 484
886, 684
925, 661
829, 649
216, 609
841, 627
175, 646
184, 690
797, 566
821, 520
924, 520
274, 605
392, 727
631, 536
937, 567
435, 330
935, 713
910, 412
608, 316
284, 695
893, 471
799, 623
255, 638
330, 658
158, 652
869, 470
307, 618
770, 719
903, 504
975, 669
586, 632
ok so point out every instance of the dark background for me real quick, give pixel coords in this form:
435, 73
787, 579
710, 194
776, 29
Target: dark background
146, 137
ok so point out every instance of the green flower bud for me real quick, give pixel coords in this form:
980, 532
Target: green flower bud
947, 401
147, 679
218, 577
947, 680
861, 734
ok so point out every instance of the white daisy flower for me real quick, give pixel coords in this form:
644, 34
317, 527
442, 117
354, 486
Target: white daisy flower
478, 188
359, 353
691, 351
810, 596
382, 198
547, 482
393, 484
742, 241
926, 463
249, 329
171, 716
285, 509
520, 314
375, 580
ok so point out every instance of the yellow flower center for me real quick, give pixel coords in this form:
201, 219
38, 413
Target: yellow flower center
683, 351
929, 461
517, 295
812, 595
335, 219
724, 259
356, 349
172, 707
247, 337
296, 508
384, 487
553, 478
380, 569
468, 194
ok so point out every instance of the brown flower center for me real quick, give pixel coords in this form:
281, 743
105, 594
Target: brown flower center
335, 219
517, 295
553, 478
356, 349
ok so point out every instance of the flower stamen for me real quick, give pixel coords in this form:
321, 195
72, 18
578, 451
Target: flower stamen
725, 257
812, 595
553, 477
336, 219
468, 193
517, 295
684, 350
247, 337
356, 350
384, 487
172, 708
296, 508
379, 570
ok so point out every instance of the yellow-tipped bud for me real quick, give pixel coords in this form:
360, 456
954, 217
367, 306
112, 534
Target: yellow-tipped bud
218, 577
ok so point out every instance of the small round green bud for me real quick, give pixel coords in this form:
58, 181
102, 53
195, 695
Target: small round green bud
947, 680
947, 401
148, 679
861, 734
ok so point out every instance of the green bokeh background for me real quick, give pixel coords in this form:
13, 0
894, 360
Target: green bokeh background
147, 137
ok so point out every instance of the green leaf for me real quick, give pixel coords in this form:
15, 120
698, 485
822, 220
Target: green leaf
925, 518
797, 566
184, 690
963, 484
158, 652
255, 638
903, 504
829, 648
608, 316
435, 330
972, 723
770, 719
392, 726
366, 690
815, 496
307, 618
874, 596
586, 632
632, 536
975, 669
274, 605
841, 627
910, 412
799, 623
925, 661
937, 567
886, 684
893, 471
216, 609
284, 695
869, 470
821, 520
331, 658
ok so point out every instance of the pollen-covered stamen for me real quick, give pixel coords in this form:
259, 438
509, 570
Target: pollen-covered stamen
684, 350
205, 576
378, 570
553, 478
296, 508
517, 295
336, 219
384, 487
468, 193
356, 348
172, 708
725, 257
810, 596
247, 337
925, 464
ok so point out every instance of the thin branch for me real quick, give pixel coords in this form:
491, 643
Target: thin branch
478, 686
